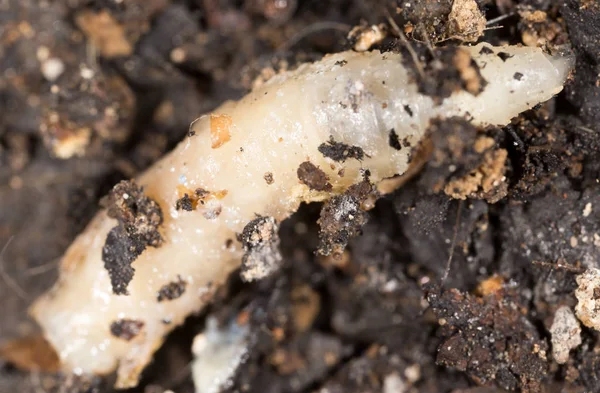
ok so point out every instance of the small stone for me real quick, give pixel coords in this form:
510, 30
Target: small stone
566, 334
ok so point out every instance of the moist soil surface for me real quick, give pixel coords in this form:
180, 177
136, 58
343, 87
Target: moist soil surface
450, 283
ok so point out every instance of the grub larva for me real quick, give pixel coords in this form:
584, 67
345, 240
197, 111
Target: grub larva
343, 114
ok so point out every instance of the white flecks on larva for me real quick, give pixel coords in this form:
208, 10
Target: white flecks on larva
272, 130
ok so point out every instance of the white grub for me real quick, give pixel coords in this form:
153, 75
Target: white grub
217, 355
588, 298
272, 130
566, 334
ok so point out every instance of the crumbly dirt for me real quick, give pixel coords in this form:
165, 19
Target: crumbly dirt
342, 218
340, 152
172, 290
260, 240
94, 91
313, 177
139, 218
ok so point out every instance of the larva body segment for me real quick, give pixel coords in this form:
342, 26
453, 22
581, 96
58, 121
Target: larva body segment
244, 159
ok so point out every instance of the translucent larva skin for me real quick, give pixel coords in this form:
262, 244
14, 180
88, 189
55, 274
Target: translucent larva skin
354, 98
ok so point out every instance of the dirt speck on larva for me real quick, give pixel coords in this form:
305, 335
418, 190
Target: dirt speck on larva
138, 221
269, 178
260, 242
126, 329
172, 290
340, 152
313, 176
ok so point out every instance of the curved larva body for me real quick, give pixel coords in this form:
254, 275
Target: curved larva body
355, 98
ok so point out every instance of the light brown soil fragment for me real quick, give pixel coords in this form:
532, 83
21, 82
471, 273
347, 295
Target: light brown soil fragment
105, 33
466, 22
487, 180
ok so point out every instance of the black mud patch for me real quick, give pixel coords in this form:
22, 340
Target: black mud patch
393, 140
184, 203
139, 218
340, 152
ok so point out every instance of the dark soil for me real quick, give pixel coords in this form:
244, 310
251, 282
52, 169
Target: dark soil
372, 316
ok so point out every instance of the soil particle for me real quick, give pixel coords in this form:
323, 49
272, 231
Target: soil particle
260, 241
139, 218
486, 181
343, 218
458, 165
490, 339
363, 37
583, 24
586, 294
116, 28
136, 212
184, 203
119, 251
503, 56
340, 152
126, 329
426, 20
539, 30
172, 290
104, 33
313, 177
566, 334
393, 140
269, 178
207, 202
466, 22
